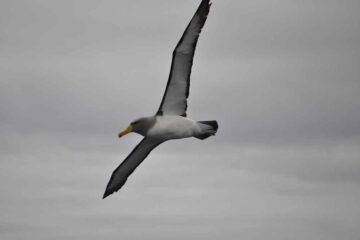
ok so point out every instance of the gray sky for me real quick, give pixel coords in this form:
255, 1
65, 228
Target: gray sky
280, 76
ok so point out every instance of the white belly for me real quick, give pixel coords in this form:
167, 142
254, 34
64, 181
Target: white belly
173, 127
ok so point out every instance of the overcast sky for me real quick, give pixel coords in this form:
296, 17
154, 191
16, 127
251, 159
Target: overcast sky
280, 76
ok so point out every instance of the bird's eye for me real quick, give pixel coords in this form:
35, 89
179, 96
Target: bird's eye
136, 122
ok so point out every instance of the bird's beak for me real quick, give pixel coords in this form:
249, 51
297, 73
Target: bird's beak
129, 129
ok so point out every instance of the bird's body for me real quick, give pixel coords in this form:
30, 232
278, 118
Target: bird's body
170, 121
175, 127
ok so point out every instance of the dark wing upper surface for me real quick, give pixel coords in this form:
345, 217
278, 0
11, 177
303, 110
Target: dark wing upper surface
177, 89
121, 173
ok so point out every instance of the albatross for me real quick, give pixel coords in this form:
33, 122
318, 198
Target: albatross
170, 121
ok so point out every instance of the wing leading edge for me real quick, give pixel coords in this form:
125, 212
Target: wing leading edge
174, 101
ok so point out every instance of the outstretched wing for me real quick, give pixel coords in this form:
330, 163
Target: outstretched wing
121, 173
177, 88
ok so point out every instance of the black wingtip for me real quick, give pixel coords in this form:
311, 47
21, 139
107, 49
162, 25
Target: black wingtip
106, 194
203, 11
205, 4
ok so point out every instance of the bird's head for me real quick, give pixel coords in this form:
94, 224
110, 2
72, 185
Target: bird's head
140, 126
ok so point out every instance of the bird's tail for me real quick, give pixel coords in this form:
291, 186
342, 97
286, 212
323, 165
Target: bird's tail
208, 128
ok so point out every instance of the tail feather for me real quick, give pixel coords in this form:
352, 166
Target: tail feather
213, 124
208, 128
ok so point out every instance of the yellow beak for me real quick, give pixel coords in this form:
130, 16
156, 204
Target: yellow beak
129, 129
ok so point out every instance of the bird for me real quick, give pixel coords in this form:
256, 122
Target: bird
170, 121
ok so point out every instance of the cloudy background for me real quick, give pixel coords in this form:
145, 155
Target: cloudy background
280, 76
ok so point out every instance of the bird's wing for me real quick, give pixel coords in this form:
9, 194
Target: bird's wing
121, 173
177, 88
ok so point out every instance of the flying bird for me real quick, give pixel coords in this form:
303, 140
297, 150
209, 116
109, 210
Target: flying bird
170, 121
